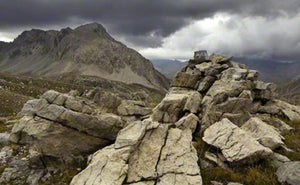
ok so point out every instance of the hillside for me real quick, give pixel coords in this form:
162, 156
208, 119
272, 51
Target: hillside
87, 50
17, 90
290, 91
168, 67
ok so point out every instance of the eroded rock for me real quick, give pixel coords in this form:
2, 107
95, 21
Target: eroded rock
236, 145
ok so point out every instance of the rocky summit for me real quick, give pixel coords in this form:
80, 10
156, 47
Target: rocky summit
216, 117
87, 50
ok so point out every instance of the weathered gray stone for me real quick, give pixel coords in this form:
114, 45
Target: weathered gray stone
206, 83
73, 104
216, 183
142, 163
236, 145
130, 135
276, 122
264, 133
178, 155
32, 106
219, 59
234, 183
107, 166
51, 112
54, 139
277, 159
50, 96
289, 173
237, 118
171, 107
252, 75
105, 125
186, 80
204, 66
292, 112
222, 89
143, 183
188, 122
246, 94
60, 99
214, 158
193, 102
131, 108
4, 138
235, 74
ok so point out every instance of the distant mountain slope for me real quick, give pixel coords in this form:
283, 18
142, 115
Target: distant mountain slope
290, 91
270, 71
168, 67
87, 50
273, 71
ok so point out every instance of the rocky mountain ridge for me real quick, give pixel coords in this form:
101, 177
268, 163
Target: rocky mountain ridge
87, 50
216, 114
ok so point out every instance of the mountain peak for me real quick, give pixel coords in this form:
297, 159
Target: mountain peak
87, 50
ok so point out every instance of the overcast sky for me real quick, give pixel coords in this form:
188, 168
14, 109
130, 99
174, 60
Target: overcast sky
171, 29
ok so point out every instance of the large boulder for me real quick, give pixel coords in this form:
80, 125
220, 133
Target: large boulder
186, 80
171, 107
289, 173
107, 166
54, 139
265, 134
133, 108
63, 125
235, 144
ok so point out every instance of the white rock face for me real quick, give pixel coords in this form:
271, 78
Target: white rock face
264, 133
143, 162
171, 107
107, 166
178, 156
236, 145
130, 135
291, 111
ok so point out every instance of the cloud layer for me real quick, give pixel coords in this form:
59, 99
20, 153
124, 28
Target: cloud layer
150, 26
257, 36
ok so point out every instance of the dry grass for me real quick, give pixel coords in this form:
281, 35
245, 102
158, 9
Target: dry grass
292, 141
261, 173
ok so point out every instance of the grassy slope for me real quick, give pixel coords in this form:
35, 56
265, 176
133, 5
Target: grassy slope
15, 91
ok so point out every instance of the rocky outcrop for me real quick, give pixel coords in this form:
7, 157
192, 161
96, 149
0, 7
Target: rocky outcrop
213, 99
158, 150
62, 126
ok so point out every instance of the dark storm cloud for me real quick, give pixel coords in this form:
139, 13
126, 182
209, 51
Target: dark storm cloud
134, 19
